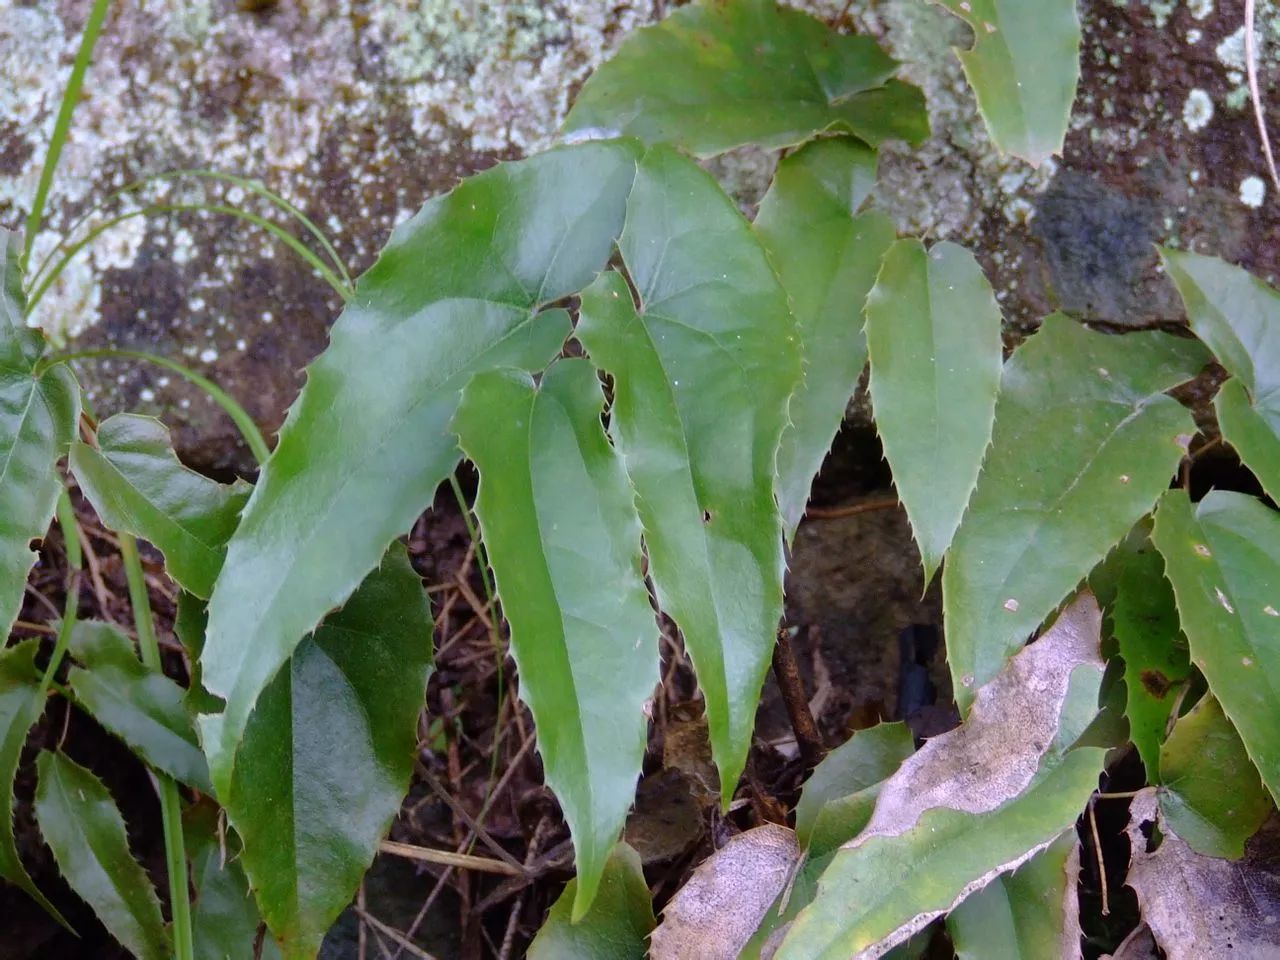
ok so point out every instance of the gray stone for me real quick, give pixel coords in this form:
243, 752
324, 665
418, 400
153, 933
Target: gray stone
358, 110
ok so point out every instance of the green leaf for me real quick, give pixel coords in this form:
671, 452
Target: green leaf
615, 928
702, 374
559, 522
1223, 559
20, 707
145, 709
1085, 440
137, 485
460, 288
933, 329
1144, 621
1238, 316
1029, 914
38, 414
971, 804
1210, 793
826, 257
1024, 67
83, 828
328, 752
719, 74
224, 918
862, 761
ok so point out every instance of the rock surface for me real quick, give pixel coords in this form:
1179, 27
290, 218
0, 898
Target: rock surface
357, 110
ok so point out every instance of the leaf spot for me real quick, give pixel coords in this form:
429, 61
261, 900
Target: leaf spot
1246, 661
1183, 440
706, 516
1203, 550
966, 680
1271, 611
1011, 605
1124, 478
1104, 372
1156, 683
1222, 599
991, 28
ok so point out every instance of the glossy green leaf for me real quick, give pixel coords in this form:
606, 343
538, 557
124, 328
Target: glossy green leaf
20, 708
826, 256
559, 523
1223, 559
1030, 914
145, 709
1024, 67
224, 917
615, 928
328, 752
460, 288
971, 804
862, 761
1144, 621
1084, 442
137, 485
1238, 316
933, 329
79, 820
718, 74
701, 374
38, 415
1210, 793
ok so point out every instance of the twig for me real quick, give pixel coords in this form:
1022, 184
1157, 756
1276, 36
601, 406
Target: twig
1255, 92
1102, 866
852, 510
509, 936
37, 627
464, 861
393, 934
791, 686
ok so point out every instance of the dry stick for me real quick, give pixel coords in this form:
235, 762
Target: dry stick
509, 936
852, 510
37, 627
791, 685
362, 934
1102, 866
393, 934
1255, 92
464, 861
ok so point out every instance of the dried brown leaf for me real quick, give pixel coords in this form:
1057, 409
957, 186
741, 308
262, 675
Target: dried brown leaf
719, 908
1203, 908
1015, 720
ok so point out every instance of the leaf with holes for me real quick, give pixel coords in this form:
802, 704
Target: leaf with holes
702, 373
20, 708
145, 709
461, 287
1238, 316
137, 485
826, 255
616, 926
933, 331
719, 74
1029, 914
1085, 441
971, 804
79, 820
559, 522
1210, 793
1024, 68
38, 415
328, 752
1223, 558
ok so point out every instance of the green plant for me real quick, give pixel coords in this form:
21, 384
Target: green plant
729, 351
